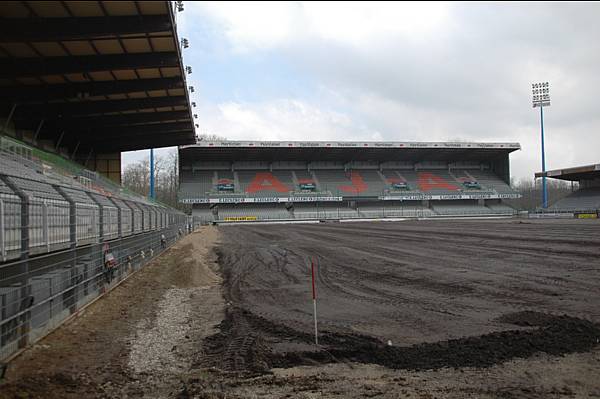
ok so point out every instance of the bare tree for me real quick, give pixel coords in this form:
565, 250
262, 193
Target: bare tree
531, 192
209, 137
136, 177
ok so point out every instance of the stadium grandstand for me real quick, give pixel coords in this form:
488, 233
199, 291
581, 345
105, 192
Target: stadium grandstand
88, 80
255, 180
80, 82
585, 201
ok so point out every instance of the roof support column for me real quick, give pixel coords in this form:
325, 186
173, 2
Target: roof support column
10, 115
62, 134
75, 150
37, 131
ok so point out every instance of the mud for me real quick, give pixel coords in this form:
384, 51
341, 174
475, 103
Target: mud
444, 294
559, 336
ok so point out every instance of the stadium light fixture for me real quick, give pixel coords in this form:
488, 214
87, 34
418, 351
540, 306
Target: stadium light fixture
191, 89
188, 69
193, 104
179, 5
541, 98
185, 43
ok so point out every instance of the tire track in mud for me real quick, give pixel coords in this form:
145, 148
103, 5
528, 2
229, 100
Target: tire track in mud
519, 298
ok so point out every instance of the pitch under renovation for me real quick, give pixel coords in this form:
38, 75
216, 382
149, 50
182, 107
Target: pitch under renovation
442, 293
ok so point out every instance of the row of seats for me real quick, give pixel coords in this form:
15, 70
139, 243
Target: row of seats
321, 210
452, 209
275, 211
583, 200
36, 189
394, 209
340, 183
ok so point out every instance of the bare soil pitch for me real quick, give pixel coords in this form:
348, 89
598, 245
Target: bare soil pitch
446, 294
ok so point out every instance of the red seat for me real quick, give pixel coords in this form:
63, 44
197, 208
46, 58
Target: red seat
265, 181
427, 181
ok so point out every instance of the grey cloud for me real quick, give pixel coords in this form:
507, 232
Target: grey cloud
469, 80
472, 80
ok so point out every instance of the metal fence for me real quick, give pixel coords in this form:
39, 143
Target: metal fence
205, 216
39, 293
63, 243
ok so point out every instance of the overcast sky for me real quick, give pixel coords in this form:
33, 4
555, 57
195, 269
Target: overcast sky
398, 72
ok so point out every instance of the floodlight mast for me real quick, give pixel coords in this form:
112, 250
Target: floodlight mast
152, 194
541, 98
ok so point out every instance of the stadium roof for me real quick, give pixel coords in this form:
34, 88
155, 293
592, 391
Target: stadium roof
577, 173
343, 151
108, 74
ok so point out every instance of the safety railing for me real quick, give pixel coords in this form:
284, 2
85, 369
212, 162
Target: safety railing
332, 213
39, 293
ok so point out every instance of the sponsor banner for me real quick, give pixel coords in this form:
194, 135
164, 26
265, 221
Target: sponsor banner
313, 199
255, 200
418, 197
193, 200
401, 197
351, 144
240, 218
501, 196
265, 199
551, 216
586, 215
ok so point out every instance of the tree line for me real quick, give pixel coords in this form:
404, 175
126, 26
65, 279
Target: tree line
136, 177
531, 192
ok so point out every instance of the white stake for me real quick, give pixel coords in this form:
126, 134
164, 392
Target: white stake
314, 293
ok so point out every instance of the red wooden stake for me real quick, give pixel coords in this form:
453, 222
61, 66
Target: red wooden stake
314, 294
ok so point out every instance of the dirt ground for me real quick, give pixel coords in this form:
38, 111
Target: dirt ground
137, 341
417, 309
494, 308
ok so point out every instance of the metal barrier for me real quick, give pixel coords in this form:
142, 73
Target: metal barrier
38, 294
345, 212
56, 238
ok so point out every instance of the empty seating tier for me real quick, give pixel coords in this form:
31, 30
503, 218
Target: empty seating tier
581, 200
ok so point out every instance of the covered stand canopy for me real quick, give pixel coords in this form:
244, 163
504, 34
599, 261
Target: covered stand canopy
102, 76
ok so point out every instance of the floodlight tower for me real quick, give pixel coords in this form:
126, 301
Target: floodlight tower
152, 194
541, 99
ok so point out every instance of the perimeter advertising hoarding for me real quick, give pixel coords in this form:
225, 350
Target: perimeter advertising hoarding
244, 200
241, 218
352, 144
405, 197
421, 197
586, 215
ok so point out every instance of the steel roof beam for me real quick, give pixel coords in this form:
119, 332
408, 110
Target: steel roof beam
157, 140
39, 94
79, 28
43, 66
73, 109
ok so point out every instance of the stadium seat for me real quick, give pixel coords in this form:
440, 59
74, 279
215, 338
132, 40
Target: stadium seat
581, 200
434, 183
